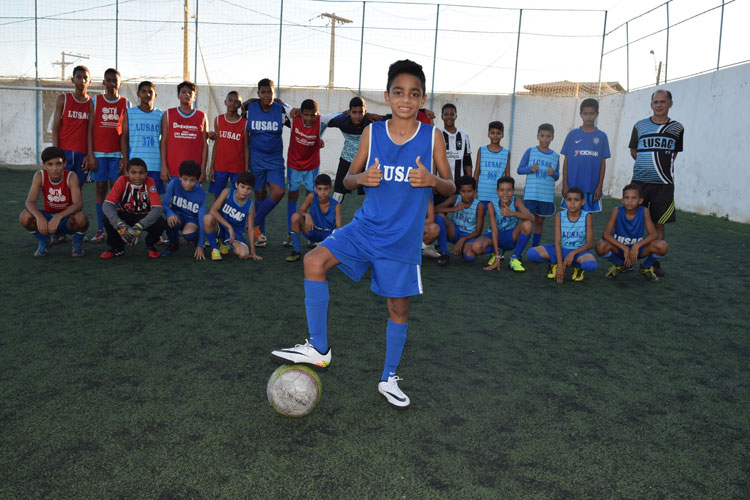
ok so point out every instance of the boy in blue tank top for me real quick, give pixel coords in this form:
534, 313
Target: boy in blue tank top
319, 223
394, 163
574, 238
185, 209
141, 132
493, 162
630, 235
466, 223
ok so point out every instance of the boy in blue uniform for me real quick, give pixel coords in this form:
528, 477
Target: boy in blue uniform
466, 223
141, 132
493, 162
394, 163
232, 216
630, 235
541, 166
586, 150
185, 208
574, 239
319, 223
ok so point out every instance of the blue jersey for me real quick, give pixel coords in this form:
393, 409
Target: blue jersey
465, 220
265, 129
144, 134
234, 213
323, 221
505, 222
585, 151
572, 233
491, 168
185, 204
539, 185
393, 213
655, 145
630, 231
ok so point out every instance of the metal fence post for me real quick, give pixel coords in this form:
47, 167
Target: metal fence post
278, 64
721, 30
434, 56
666, 56
515, 75
361, 48
36, 75
117, 32
195, 49
601, 57
627, 58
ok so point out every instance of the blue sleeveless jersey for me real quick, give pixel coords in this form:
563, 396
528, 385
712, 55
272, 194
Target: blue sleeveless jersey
265, 129
540, 186
393, 214
630, 232
190, 204
234, 213
572, 233
465, 220
144, 134
491, 168
323, 221
505, 222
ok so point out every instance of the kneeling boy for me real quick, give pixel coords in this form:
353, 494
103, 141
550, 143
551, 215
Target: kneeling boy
319, 223
185, 207
466, 223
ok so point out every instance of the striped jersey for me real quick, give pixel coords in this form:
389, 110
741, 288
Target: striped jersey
539, 185
505, 222
465, 220
491, 167
144, 134
572, 233
655, 144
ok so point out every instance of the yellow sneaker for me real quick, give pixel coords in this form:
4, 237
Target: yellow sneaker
577, 274
215, 254
552, 271
492, 260
613, 271
516, 265
649, 274
224, 249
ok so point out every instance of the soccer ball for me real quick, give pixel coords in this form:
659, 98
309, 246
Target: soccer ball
294, 390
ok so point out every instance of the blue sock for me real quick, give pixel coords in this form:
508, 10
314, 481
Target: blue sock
520, 245
443, 236
296, 246
78, 237
614, 258
588, 265
262, 211
649, 261
191, 237
395, 339
212, 240
469, 259
43, 238
536, 239
291, 207
316, 306
534, 256
173, 235
99, 217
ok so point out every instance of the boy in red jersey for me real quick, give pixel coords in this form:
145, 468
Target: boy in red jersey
105, 154
62, 204
230, 155
184, 135
71, 121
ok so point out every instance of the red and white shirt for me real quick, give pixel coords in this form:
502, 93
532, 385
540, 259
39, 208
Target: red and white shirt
184, 138
134, 199
304, 145
56, 195
108, 116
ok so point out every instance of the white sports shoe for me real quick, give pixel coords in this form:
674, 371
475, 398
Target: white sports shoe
304, 354
393, 394
430, 251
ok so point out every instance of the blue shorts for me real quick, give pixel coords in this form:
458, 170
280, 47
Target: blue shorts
316, 235
389, 277
62, 228
504, 240
565, 251
156, 176
295, 178
107, 169
221, 182
239, 236
186, 219
458, 234
621, 254
74, 163
267, 170
540, 208
590, 205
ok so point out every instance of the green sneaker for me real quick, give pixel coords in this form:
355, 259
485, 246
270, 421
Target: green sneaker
613, 271
294, 257
577, 274
552, 271
516, 265
649, 274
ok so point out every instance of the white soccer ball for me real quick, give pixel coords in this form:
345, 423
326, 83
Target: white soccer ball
294, 390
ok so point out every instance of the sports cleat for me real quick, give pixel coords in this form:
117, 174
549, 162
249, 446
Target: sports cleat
111, 254
99, 236
626, 269
287, 241
305, 354
658, 271
649, 274
294, 257
163, 241
444, 259
395, 396
492, 260
577, 274
223, 248
42, 249
153, 253
613, 271
171, 249
430, 251
515, 265
260, 239
77, 250
215, 254
552, 271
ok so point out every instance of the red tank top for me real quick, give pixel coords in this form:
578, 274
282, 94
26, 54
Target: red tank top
74, 123
108, 124
230, 151
57, 196
304, 145
184, 139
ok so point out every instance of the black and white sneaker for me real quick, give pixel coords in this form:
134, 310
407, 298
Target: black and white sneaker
393, 394
304, 354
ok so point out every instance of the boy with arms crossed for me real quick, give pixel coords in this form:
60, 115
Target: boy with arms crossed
185, 207
71, 122
493, 162
141, 133
319, 223
394, 163
184, 135
230, 155
466, 223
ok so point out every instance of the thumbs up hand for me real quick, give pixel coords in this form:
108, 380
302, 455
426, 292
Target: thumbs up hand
420, 176
371, 177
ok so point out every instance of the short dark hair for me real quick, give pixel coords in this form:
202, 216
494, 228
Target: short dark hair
265, 82
233, 92
146, 83
467, 180
309, 104
190, 168
323, 180
356, 102
448, 105
186, 83
590, 103
506, 179
576, 190
665, 91
52, 152
80, 67
135, 162
632, 187
246, 178
497, 124
546, 126
405, 66
111, 71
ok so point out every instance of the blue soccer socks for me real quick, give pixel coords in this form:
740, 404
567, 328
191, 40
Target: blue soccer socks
99, 217
443, 236
534, 256
614, 258
587, 265
291, 208
261, 211
212, 240
395, 339
536, 239
296, 244
316, 307
523, 239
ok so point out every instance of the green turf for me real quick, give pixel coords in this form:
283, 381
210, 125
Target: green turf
146, 379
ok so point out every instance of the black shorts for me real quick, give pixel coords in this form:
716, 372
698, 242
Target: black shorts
338, 184
659, 199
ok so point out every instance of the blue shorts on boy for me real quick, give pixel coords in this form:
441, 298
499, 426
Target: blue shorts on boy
62, 228
74, 163
541, 208
189, 206
295, 179
565, 251
220, 182
265, 143
107, 167
539, 185
156, 176
492, 166
589, 204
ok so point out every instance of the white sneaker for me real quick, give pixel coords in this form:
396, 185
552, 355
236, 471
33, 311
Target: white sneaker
430, 251
304, 354
393, 394
261, 241
288, 241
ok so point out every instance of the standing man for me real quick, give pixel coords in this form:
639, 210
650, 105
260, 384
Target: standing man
654, 145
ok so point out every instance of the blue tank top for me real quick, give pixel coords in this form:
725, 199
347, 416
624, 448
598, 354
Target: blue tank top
144, 133
393, 214
265, 129
505, 222
465, 220
491, 168
323, 221
572, 233
234, 213
630, 232
187, 203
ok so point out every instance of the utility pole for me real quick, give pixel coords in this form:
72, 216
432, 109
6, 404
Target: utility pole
63, 63
185, 70
334, 19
